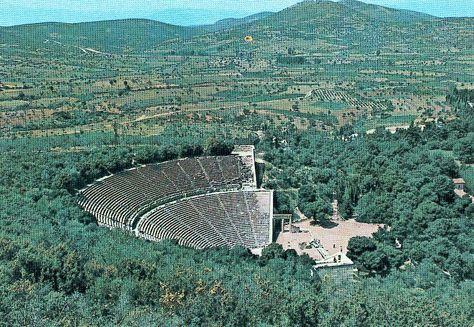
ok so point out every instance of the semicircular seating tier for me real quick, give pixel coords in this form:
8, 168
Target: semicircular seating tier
211, 220
119, 200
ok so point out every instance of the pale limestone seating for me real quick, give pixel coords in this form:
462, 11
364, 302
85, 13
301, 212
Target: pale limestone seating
211, 220
121, 198
199, 202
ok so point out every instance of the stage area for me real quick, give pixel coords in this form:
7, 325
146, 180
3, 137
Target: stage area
327, 241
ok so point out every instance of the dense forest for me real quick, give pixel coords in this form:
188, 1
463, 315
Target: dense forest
402, 180
58, 268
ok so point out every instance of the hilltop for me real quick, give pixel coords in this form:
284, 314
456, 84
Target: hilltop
106, 36
114, 36
233, 22
327, 26
325, 11
385, 14
348, 20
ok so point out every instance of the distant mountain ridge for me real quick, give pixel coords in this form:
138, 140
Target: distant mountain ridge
343, 27
112, 35
232, 22
108, 36
330, 13
345, 21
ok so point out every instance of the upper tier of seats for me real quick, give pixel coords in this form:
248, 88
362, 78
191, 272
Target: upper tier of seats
118, 200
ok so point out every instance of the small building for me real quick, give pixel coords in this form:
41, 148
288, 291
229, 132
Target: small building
459, 184
338, 268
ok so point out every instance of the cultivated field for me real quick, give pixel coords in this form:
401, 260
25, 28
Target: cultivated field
65, 87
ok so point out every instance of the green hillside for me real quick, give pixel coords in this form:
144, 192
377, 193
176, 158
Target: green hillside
114, 36
104, 36
326, 26
384, 14
233, 22
320, 15
323, 25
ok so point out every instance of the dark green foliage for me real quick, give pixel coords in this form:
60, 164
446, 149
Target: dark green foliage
219, 148
290, 60
467, 173
285, 201
58, 268
401, 180
464, 149
359, 245
364, 252
192, 151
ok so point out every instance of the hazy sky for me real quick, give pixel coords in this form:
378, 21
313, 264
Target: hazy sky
185, 12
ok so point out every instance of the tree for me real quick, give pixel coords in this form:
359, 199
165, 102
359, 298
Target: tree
274, 250
359, 245
285, 202
464, 148
219, 148
192, 151
319, 210
374, 261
